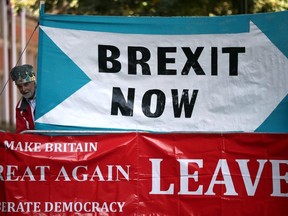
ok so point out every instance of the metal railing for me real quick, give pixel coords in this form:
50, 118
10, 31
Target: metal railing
99, 132
76, 132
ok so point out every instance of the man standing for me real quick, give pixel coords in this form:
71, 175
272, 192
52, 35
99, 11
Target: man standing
25, 80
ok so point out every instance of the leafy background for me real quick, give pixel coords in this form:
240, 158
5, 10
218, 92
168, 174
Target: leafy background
153, 7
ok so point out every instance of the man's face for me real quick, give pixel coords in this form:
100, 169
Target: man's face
27, 89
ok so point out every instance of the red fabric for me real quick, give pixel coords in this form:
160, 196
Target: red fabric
144, 174
24, 117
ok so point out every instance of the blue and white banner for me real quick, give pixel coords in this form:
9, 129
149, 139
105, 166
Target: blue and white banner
161, 74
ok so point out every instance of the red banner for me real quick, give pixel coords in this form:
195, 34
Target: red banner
144, 174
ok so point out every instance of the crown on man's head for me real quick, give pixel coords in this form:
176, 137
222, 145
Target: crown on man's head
23, 74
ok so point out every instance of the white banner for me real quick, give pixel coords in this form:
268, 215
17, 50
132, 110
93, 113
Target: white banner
159, 81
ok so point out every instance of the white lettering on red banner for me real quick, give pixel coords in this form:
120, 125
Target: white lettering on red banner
141, 173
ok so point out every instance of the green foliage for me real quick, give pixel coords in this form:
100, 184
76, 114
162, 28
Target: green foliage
155, 7
270, 5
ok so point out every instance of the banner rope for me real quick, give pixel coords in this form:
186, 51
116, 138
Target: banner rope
21, 54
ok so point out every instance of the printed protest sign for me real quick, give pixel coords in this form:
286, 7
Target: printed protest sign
144, 174
163, 74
